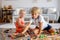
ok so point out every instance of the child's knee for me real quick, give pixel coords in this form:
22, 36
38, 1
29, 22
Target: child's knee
51, 30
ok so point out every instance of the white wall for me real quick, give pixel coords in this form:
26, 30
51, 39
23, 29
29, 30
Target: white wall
0, 3
29, 3
59, 6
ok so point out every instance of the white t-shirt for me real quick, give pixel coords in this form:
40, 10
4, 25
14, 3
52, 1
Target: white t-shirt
35, 22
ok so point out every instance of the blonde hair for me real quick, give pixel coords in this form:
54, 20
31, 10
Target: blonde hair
35, 9
21, 10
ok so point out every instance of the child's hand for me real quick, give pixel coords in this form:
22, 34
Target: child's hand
30, 21
22, 33
38, 35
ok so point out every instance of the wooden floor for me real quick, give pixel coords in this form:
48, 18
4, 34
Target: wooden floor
56, 37
10, 25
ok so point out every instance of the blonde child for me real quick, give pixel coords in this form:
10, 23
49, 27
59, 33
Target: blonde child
39, 22
21, 28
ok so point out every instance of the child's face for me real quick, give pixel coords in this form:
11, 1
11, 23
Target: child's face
22, 13
35, 15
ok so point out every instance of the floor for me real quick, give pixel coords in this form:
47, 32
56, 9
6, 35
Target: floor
8, 26
12, 25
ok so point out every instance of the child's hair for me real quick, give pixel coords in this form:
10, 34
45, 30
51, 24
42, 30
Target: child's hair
21, 10
35, 9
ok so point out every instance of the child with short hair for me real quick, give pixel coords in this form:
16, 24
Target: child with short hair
21, 27
39, 22
20, 21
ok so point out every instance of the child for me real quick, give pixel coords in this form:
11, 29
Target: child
39, 22
20, 21
20, 24
21, 28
